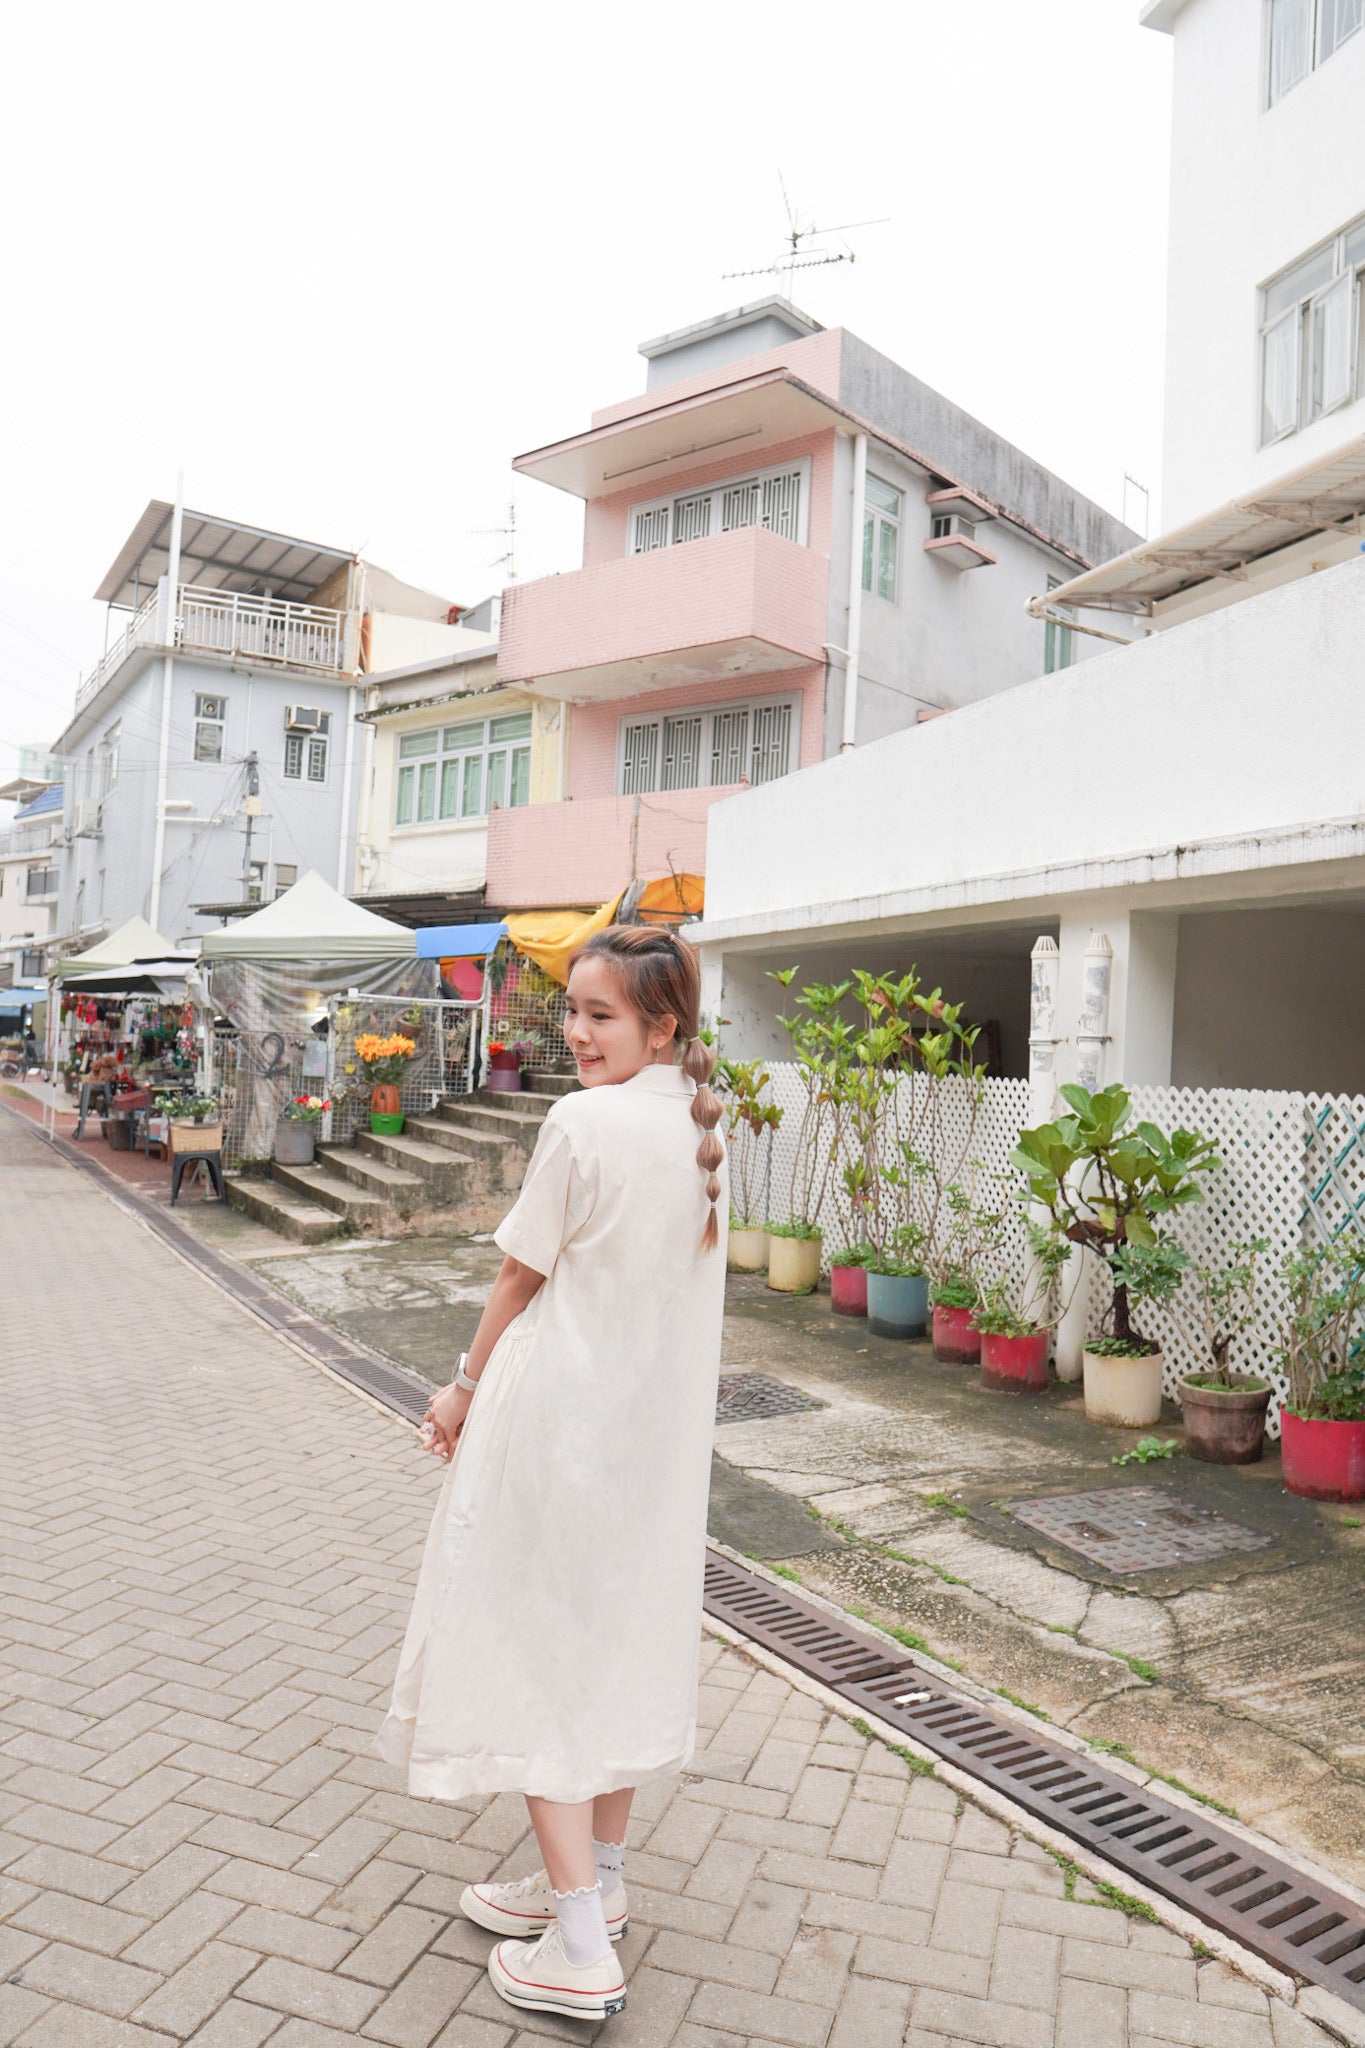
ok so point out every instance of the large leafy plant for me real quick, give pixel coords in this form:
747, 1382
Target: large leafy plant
1323, 1352
1105, 1183
750, 1115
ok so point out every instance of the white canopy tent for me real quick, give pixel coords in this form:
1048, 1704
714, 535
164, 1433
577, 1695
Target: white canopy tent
135, 940
311, 921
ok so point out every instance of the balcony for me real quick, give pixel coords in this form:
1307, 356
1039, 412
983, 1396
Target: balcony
587, 851
234, 627
742, 603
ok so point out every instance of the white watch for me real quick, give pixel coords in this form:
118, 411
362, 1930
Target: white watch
462, 1378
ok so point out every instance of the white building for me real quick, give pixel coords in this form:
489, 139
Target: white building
1197, 797
213, 753
30, 878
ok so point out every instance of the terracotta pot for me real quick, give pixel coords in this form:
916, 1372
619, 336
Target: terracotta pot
295, 1141
794, 1264
385, 1099
1323, 1460
747, 1248
897, 1304
848, 1290
1124, 1393
957, 1341
1015, 1365
1224, 1428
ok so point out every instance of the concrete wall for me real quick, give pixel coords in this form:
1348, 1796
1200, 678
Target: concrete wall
302, 822
1246, 722
707, 353
1252, 190
814, 359
589, 849
1271, 999
950, 440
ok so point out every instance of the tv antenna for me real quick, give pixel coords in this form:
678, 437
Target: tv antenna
806, 248
508, 533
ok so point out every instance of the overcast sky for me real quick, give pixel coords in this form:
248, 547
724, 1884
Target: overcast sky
339, 263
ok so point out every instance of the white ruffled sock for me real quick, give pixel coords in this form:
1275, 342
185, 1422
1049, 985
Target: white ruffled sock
610, 1858
583, 1924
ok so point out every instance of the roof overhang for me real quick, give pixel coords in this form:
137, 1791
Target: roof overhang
747, 416
217, 554
1160, 14
1326, 496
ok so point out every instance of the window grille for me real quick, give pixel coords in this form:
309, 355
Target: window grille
639, 757
774, 498
782, 503
692, 517
708, 748
729, 746
682, 753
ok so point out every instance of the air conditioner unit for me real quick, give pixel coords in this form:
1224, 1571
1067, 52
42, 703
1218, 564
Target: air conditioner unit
89, 823
299, 718
953, 540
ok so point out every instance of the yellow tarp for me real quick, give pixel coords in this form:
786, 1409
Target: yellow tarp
552, 937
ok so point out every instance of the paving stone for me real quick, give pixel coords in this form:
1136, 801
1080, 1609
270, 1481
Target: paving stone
19, 2009
1136, 1968
750, 2014
310, 1994
465, 2031
911, 1963
872, 2014
272, 1933
59, 1917
180, 1933
392, 1947
686, 1955
965, 1919
1024, 1967
1152, 2014
1091, 2015
1218, 1985
71, 2026
685, 1830
82, 1978
197, 1989
973, 2019
913, 1874
236, 2025
1064, 1916
768, 1917
723, 1874
779, 1764
414, 2014
821, 1796
866, 1831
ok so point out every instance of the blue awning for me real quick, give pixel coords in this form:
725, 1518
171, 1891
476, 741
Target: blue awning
457, 941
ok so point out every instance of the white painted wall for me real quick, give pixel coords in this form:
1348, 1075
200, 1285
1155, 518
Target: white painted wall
1271, 999
1252, 189
1115, 774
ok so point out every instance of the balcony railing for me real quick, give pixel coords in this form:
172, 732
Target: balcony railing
227, 623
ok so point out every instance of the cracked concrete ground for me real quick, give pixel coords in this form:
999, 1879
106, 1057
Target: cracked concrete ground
1250, 1686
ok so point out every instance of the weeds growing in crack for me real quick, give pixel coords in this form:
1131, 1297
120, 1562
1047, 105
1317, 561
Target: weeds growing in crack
1104, 1748
919, 1766
947, 1503
1139, 1666
1109, 1894
1038, 1713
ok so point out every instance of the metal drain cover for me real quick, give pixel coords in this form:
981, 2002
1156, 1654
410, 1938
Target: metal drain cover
1136, 1528
749, 1396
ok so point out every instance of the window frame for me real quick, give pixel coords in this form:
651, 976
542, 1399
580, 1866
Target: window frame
652, 508
1059, 642
1317, 56
1305, 315
875, 518
792, 701
210, 722
453, 764
303, 748
281, 868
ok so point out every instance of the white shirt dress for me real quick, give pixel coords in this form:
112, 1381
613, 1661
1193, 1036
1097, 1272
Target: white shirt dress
552, 1646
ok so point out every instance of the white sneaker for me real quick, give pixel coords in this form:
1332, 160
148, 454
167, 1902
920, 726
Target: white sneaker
527, 1907
538, 1976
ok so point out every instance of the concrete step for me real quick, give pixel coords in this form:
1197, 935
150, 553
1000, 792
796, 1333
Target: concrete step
500, 1161
471, 1114
323, 1184
530, 1101
437, 1172
374, 1176
303, 1222
557, 1083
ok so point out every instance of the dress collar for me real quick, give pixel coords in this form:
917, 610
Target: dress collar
661, 1078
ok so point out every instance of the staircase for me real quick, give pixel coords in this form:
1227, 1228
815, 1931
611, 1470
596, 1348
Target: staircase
456, 1169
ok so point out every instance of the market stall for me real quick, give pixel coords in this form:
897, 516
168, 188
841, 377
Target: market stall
123, 1015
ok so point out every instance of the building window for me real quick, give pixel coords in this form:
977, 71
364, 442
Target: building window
210, 717
109, 760
41, 882
286, 874
1304, 34
308, 752
707, 749
463, 770
255, 881
1310, 324
881, 538
775, 498
30, 963
1059, 642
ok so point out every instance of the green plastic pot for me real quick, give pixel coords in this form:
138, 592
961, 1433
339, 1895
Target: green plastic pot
386, 1126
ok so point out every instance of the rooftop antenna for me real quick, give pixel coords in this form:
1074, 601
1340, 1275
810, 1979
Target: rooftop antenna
508, 533
804, 249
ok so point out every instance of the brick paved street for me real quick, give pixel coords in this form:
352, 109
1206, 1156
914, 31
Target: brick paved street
208, 1554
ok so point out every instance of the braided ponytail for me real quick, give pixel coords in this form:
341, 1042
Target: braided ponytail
661, 978
699, 1062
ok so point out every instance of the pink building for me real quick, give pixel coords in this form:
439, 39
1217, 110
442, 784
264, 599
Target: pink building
775, 536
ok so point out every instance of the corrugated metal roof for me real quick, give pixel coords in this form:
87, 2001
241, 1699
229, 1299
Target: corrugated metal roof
218, 554
1324, 496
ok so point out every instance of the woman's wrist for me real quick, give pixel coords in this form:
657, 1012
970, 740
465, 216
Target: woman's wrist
462, 1378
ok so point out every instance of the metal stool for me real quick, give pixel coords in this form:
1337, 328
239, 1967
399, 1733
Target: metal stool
94, 1101
212, 1162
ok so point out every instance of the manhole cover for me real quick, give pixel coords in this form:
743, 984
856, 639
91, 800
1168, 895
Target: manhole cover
1136, 1528
749, 1396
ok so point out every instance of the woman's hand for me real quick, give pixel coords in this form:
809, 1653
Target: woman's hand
446, 1413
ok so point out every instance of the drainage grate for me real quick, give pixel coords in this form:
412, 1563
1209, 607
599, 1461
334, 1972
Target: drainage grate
1136, 1528
1301, 1927
749, 1396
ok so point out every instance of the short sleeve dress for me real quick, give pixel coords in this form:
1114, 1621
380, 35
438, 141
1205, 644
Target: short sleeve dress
552, 1645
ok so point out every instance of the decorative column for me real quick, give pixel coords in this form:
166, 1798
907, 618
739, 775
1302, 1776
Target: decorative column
1042, 1031
1092, 1036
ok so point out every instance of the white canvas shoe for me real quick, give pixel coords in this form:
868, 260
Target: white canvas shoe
538, 1976
527, 1907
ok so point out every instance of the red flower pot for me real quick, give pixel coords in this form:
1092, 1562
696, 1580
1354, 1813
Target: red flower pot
957, 1341
1323, 1460
505, 1062
1015, 1365
848, 1290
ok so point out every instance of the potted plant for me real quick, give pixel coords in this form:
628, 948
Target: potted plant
954, 1301
1016, 1318
296, 1133
1322, 1424
749, 1121
1224, 1410
385, 1062
898, 1286
848, 1279
193, 1122
795, 1245
972, 1233
1103, 1183
506, 1057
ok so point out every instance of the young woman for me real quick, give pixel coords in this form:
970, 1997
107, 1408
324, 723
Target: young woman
552, 1648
